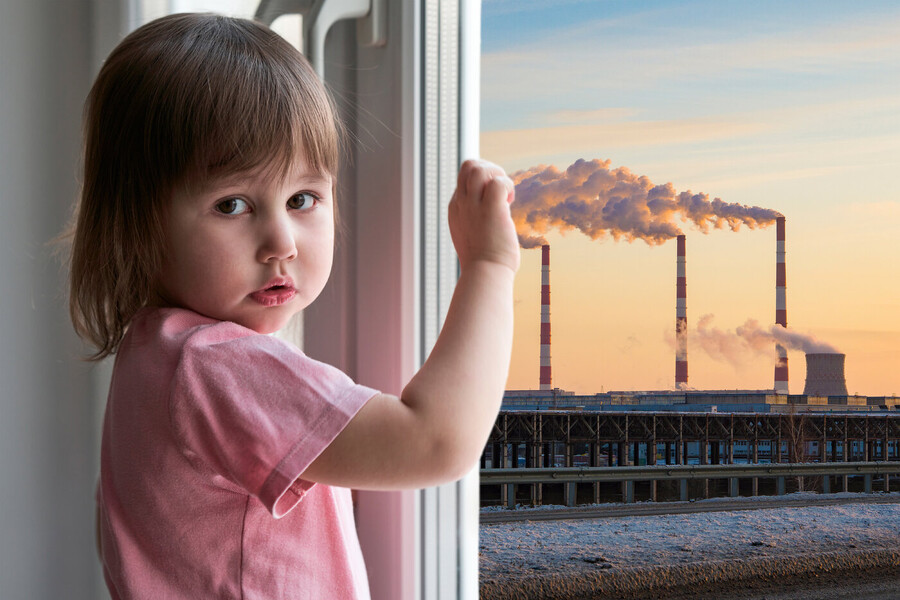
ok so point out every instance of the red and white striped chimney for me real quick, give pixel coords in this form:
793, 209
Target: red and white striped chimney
681, 365
781, 366
545, 317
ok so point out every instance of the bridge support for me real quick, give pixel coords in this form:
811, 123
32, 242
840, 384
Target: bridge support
704, 460
846, 453
755, 482
613, 439
571, 493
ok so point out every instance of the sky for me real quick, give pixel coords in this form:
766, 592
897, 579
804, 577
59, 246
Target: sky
790, 108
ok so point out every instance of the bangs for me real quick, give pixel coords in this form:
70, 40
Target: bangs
241, 98
262, 112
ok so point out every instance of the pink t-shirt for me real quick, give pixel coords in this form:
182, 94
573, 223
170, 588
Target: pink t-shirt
208, 427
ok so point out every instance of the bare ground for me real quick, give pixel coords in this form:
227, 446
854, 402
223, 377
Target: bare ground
849, 552
855, 574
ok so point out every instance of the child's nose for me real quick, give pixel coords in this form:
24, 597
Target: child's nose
277, 240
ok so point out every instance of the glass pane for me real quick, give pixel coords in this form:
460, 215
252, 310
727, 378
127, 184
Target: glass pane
764, 139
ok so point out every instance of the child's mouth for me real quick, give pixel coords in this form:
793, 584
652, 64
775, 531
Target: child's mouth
274, 295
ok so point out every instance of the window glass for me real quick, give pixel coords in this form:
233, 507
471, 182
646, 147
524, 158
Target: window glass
628, 124
288, 26
710, 117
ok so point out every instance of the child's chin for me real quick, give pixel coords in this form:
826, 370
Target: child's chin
267, 326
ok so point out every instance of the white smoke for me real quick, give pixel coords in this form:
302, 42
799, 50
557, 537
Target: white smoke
761, 339
751, 338
718, 344
600, 201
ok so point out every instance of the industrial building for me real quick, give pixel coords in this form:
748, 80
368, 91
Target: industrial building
738, 401
825, 391
551, 428
614, 436
825, 388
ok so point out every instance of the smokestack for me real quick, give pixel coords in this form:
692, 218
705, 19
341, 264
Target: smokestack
681, 366
545, 317
781, 367
825, 375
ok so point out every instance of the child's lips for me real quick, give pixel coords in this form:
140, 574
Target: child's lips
275, 295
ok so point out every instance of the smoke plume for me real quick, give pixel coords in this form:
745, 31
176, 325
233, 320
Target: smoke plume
733, 346
761, 339
718, 344
599, 201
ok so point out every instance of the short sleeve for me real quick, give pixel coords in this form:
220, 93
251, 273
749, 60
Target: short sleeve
257, 411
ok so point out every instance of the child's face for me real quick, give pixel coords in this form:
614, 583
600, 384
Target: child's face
252, 248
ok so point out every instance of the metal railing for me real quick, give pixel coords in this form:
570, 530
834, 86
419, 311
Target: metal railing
627, 475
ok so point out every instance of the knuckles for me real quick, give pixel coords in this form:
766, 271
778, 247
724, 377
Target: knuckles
480, 219
478, 177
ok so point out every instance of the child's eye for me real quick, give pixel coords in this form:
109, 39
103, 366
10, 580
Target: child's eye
302, 201
232, 206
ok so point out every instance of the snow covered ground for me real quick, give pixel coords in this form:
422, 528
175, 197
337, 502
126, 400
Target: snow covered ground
532, 550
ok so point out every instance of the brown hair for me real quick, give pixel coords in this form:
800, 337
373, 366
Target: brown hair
181, 99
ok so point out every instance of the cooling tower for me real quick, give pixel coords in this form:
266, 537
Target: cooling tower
681, 366
825, 375
545, 318
781, 366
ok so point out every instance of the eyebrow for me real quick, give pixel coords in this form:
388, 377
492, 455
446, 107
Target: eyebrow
215, 184
315, 177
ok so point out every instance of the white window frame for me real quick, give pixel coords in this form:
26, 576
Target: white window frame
432, 534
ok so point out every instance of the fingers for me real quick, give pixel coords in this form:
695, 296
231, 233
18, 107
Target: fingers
476, 176
480, 220
501, 188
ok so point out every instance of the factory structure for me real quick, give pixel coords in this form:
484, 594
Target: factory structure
550, 428
781, 366
825, 389
681, 366
546, 377
743, 401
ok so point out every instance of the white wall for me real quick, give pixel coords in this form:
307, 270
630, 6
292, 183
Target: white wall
48, 437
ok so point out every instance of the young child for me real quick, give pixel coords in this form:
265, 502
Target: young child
206, 221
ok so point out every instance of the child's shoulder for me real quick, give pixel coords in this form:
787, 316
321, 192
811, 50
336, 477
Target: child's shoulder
189, 347
189, 329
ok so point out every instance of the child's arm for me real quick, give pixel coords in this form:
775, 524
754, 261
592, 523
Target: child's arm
437, 429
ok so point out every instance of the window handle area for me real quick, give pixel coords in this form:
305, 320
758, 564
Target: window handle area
319, 15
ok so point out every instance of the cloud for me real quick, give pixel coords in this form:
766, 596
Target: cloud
509, 7
591, 56
516, 145
583, 117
